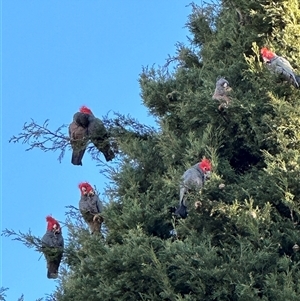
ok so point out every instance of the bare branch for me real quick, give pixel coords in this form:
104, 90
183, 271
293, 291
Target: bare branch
27, 239
74, 213
40, 136
21, 298
51, 297
170, 60
2, 293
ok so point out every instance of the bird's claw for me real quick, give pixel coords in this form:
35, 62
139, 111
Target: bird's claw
98, 218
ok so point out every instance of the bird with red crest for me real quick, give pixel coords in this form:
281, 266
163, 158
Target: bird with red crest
194, 177
52, 247
86, 127
280, 65
90, 207
78, 133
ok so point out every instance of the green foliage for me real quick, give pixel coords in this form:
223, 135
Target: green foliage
238, 244
238, 241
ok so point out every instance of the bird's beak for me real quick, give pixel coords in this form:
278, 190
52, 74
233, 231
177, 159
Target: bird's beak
56, 229
207, 174
265, 60
228, 89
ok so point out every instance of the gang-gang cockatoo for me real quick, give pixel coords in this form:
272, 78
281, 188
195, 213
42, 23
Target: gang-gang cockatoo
78, 133
194, 177
90, 207
221, 93
86, 127
280, 65
98, 134
52, 247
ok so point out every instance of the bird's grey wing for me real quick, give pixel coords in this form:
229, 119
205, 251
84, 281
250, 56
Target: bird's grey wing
83, 203
186, 183
97, 129
283, 66
100, 138
284, 63
60, 241
99, 205
181, 194
191, 177
47, 239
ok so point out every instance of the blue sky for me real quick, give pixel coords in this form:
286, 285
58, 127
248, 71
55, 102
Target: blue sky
57, 56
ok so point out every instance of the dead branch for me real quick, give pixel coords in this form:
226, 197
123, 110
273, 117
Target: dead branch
27, 239
40, 136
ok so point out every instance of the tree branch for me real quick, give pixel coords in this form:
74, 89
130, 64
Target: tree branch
27, 239
40, 136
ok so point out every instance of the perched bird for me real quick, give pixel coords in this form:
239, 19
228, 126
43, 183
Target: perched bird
280, 65
221, 93
194, 177
78, 133
52, 247
84, 128
90, 207
98, 134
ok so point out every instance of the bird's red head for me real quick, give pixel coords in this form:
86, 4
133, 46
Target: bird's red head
53, 224
205, 165
266, 53
85, 110
86, 188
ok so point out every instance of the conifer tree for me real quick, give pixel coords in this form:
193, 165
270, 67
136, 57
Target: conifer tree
241, 240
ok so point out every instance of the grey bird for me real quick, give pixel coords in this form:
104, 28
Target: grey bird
194, 177
52, 247
84, 128
98, 134
280, 65
221, 93
90, 207
78, 133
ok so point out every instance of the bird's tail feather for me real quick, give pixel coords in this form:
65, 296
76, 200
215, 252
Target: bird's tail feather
77, 157
181, 211
95, 227
183, 190
297, 77
104, 147
108, 154
52, 272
